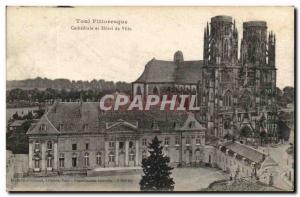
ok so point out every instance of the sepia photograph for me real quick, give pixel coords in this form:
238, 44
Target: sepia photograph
150, 99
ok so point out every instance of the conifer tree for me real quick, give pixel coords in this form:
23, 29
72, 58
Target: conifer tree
156, 170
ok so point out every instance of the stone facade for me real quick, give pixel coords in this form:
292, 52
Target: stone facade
236, 95
114, 141
238, 159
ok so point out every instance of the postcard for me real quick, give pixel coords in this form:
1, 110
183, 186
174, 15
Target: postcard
150, 99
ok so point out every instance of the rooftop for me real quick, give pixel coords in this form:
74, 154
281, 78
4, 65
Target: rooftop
17, 123
161, 71
245, 151
222, 18
255, 24
87, 117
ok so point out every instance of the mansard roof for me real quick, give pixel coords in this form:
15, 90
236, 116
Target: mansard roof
73, 117
161, 71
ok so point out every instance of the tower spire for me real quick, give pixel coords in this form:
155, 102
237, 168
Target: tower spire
207, 29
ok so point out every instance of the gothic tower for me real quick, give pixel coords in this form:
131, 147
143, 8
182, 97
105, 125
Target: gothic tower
221, 70
258, 59
258, 72
221, 41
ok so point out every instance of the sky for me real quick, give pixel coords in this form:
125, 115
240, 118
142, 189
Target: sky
41, 41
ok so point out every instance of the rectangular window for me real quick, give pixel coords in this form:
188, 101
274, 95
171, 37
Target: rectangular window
188, 141
166, 141
49, 163
111, 158
49, 145
61, 162
74, 146
43, 127
144, 142
74, 162
198, 140
239, 117
192, 124
87, 146
177, 141
86, 161
111, 144
98, 160
121, 145
85, 127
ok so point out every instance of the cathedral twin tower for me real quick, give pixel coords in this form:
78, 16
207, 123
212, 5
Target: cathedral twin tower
236, 93
240, 92
221, 43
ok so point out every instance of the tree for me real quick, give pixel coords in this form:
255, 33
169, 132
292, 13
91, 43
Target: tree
16, 116
156, 170
29, 116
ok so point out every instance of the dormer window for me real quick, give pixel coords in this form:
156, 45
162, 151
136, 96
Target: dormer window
192, 124
43, 127
85, 127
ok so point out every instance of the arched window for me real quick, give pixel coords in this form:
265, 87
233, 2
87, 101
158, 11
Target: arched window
212, 49
49, 145
226, 48
98, 158
227, 98
86, 159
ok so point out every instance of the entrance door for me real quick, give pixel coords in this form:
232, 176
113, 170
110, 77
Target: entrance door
188, 157
122, 159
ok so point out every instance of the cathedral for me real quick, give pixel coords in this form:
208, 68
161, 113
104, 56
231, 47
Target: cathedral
236, 95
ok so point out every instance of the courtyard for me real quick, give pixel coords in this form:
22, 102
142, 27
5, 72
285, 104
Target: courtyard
186, 179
